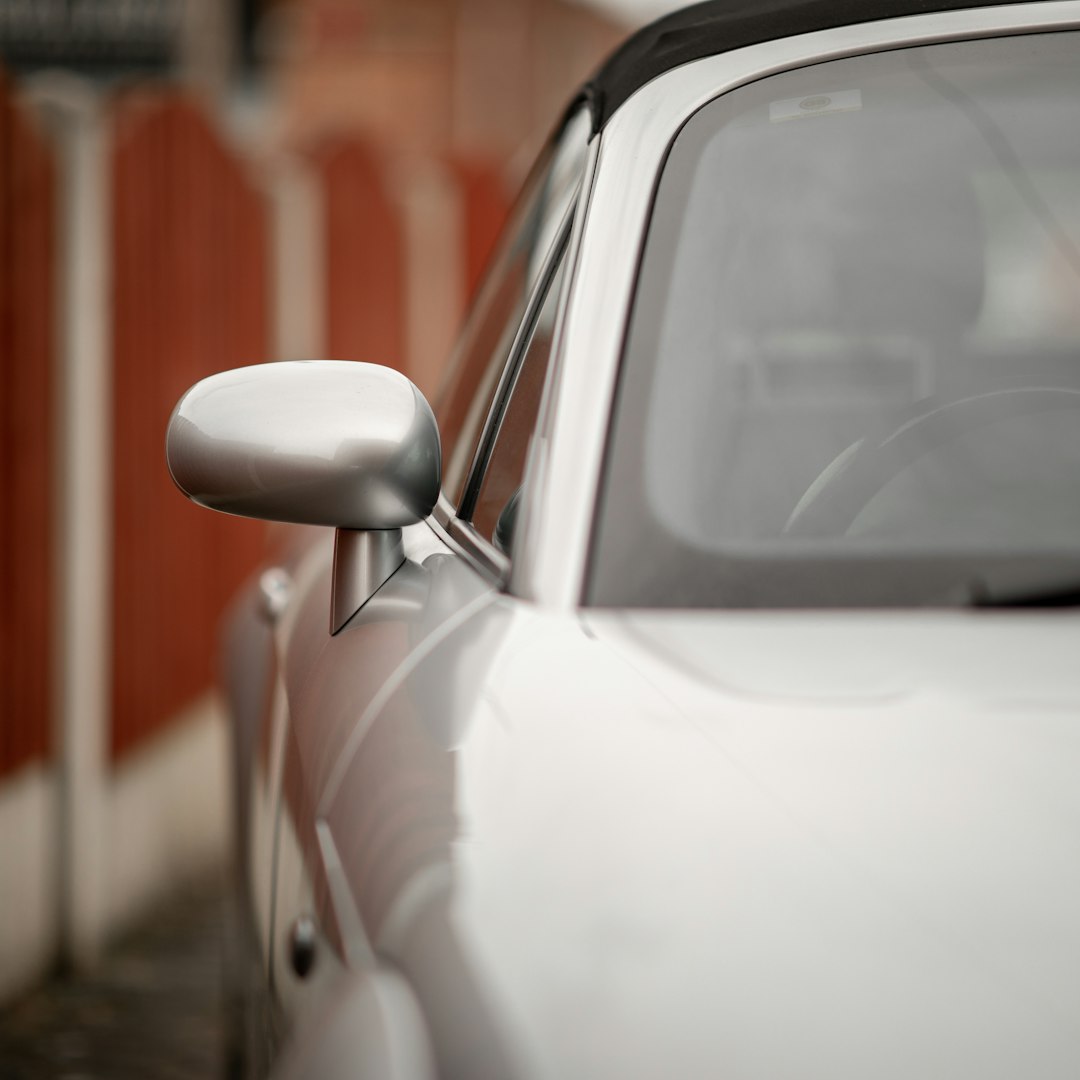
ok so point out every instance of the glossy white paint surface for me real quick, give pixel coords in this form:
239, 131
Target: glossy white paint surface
376, 1011
749, 845
743, 861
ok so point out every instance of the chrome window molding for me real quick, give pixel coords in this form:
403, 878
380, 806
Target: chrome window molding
508, 378
451, 523
444, 512
522, 570
462, 539
550, 566
482, 552
563, 141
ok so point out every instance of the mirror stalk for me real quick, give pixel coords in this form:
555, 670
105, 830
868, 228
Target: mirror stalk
363, 562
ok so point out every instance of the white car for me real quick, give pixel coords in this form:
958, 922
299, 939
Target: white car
709, 705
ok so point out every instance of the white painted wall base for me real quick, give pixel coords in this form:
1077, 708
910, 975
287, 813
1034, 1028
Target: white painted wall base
166, 824
167, 814
29, 877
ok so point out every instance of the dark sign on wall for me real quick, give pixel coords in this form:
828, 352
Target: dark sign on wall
99, 37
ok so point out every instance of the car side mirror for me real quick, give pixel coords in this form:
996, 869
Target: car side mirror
317, 442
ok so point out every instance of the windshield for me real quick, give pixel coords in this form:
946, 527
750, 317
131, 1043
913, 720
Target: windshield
853, 368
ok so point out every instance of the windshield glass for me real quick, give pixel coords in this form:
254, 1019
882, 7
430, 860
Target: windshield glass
853, 368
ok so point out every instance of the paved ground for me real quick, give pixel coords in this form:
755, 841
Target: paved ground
153, 1009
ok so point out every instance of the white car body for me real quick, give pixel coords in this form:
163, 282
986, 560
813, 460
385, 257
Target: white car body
535, 838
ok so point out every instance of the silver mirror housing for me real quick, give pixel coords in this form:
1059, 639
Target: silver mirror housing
314, 442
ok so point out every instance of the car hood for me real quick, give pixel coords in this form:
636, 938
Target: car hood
774, 845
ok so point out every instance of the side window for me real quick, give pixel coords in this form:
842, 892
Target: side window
468, 392
495, 511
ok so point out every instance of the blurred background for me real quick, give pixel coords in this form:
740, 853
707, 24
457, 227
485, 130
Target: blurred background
187, 186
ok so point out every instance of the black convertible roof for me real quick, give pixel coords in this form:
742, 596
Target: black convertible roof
722, 25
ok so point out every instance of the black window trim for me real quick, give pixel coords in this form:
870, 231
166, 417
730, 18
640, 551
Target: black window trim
450, 523
512, 368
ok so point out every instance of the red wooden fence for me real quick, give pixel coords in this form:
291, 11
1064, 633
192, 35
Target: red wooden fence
26, 355
365, 261
190, 297
487, 204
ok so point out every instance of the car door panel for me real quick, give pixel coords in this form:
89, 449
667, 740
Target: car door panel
331, 689
395, 820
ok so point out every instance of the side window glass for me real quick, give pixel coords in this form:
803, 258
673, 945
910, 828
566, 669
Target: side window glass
496, 510
465, 400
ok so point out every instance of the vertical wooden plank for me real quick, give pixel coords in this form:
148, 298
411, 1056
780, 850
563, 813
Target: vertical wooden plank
364, 246
7, 545
190, 297
486, 207
26, 352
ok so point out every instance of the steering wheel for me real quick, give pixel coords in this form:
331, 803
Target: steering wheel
832, 503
